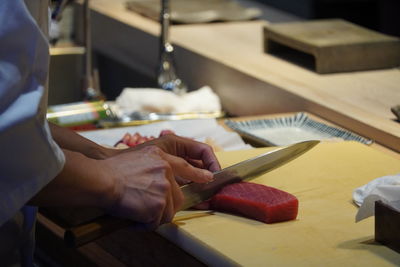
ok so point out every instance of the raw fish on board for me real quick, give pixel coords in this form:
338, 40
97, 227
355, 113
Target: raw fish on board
263, 203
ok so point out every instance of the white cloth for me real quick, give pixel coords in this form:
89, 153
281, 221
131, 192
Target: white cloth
385, 189
29, 157
162, 101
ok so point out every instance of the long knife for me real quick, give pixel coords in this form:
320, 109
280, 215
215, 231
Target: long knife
196, 193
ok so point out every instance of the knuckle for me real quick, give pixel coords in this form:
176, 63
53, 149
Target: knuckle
159, 162
153, 149
158, 205
168, 136
184, 163
162, 165
164, 186
179, 199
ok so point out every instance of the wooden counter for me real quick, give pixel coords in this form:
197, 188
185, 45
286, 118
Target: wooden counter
229, 57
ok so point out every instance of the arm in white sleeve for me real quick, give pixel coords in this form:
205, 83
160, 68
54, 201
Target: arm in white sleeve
29, 157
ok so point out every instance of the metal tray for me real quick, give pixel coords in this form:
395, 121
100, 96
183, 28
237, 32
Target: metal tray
196, 11
141, 118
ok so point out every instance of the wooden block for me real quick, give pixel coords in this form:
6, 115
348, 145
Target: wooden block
396, 111
387, 222
332, 45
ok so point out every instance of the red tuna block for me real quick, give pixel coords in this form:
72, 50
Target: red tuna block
256, 201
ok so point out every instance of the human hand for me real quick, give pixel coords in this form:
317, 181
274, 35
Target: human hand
196, 153
145, 189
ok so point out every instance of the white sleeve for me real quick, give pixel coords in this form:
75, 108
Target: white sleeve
29, 158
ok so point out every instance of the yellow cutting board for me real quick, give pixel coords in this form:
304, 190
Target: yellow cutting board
325, 232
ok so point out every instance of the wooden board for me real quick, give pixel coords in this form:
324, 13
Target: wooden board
325, 232
387, 221
336, 45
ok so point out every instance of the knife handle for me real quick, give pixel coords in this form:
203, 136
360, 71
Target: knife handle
82, 234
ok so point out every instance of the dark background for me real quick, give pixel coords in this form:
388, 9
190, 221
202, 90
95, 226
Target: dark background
379, 15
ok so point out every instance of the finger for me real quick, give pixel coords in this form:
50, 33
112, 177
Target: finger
209, 159
171, 189
203, 205
174, 196
169, 211
186, 148
195, 162
181, 181
198, 151
185, 170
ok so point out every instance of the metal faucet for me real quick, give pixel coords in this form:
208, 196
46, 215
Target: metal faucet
167, 78
90, 85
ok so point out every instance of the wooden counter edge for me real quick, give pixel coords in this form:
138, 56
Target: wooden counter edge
50, 246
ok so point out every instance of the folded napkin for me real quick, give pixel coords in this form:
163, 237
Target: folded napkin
385, 189
161, 101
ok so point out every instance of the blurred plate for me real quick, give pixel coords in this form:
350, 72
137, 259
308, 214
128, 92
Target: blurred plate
288, 130
202, 130
196, 11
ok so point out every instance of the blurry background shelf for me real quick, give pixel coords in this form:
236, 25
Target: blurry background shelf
229, 58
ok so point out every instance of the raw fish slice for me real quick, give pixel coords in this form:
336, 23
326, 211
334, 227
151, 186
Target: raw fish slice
256, 201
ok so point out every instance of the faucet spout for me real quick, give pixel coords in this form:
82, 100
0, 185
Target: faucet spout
167, 78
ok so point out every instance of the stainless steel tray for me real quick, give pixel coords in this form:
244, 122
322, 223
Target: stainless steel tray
141, 118
196, 11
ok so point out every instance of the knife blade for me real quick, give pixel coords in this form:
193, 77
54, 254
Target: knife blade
196, 193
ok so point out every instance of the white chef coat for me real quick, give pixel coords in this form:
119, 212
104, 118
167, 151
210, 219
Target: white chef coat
29, 158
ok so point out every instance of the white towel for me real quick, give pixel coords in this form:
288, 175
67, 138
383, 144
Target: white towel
161, 101
385, 189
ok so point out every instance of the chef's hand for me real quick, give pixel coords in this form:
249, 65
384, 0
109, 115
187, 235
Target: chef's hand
145, 187
134, 183
196, 153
